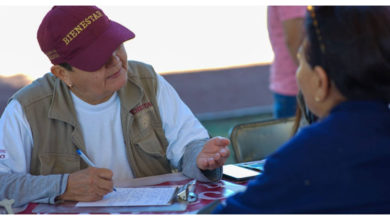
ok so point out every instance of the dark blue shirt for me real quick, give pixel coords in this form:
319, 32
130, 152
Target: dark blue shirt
338, 165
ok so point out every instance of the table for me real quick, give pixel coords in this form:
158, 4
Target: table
207, 193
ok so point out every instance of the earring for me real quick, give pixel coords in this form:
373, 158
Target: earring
317, 99
70, 85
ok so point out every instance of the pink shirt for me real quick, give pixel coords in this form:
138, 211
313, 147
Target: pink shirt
282, 77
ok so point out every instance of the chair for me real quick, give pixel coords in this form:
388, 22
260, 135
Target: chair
256, 140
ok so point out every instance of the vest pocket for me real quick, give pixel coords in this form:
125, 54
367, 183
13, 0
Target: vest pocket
54, 163
151, 145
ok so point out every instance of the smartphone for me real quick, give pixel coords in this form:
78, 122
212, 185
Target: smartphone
238, 173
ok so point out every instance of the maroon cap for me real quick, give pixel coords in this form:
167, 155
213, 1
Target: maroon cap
82, 36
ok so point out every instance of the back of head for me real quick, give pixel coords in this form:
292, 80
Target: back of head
352, 44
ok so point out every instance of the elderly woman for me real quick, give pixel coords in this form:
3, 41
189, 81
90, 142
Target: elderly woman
341, 163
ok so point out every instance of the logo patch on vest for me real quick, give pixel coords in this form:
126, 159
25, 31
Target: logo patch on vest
3, 155
141, 107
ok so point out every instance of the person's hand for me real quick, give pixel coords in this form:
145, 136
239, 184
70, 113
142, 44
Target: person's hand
88, 185
214, 153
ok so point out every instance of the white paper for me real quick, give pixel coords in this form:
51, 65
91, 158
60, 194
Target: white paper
148, 196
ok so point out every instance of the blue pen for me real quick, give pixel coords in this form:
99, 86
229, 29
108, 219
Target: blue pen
87, 160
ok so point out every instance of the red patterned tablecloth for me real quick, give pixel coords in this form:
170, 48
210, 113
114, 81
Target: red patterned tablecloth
207, 193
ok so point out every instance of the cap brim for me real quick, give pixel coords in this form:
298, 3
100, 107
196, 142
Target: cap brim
99, 51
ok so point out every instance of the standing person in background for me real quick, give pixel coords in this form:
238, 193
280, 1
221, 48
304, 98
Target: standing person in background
285, 28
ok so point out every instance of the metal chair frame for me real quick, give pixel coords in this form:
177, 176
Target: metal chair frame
256, 140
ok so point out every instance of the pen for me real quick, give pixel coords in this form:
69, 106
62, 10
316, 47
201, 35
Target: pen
87, 160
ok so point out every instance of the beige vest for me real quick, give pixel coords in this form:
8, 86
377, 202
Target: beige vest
48, 106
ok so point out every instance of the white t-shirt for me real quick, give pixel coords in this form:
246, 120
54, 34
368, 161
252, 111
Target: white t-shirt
102, 132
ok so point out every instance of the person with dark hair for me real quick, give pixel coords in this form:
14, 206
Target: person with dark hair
340, 163
127, 119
